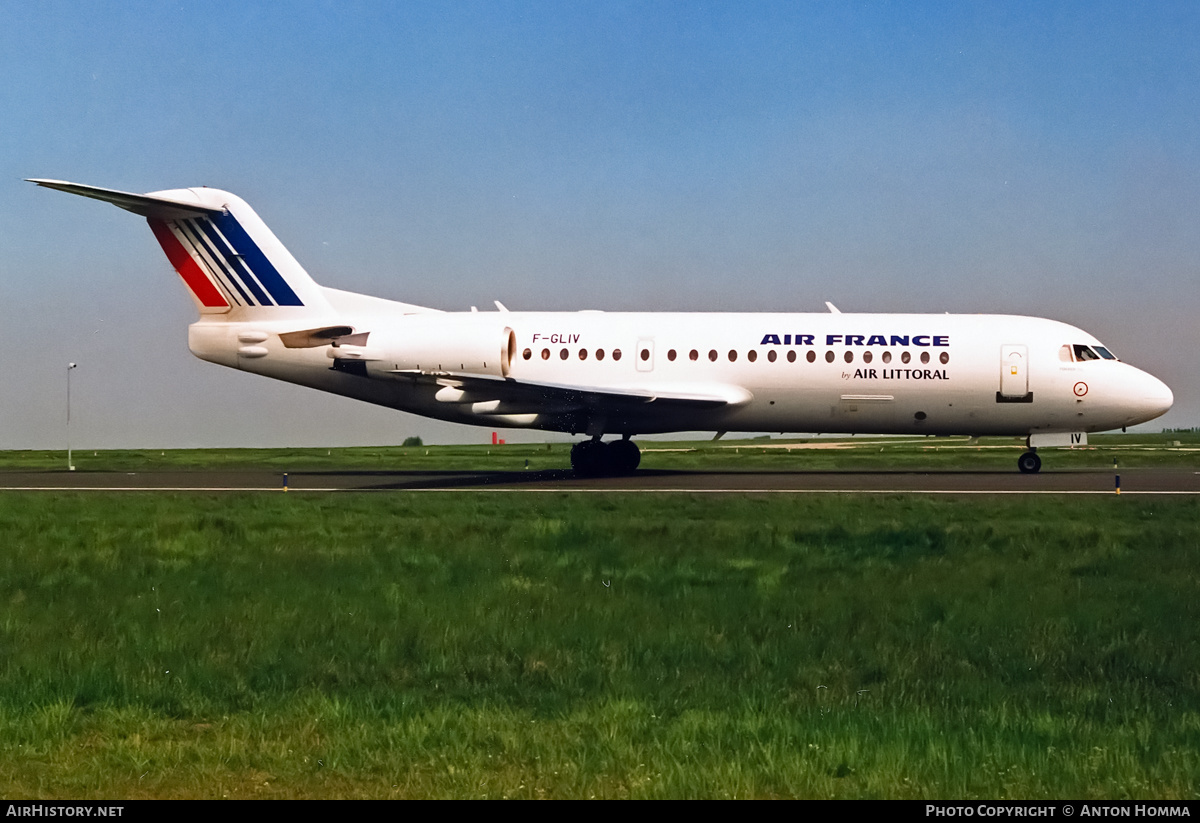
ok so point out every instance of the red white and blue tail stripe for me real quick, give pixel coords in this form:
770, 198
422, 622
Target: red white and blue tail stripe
228, 258
221, 264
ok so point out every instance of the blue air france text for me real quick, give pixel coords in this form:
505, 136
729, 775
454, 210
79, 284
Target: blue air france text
940, 340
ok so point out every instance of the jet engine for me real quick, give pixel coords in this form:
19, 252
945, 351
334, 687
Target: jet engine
417, 345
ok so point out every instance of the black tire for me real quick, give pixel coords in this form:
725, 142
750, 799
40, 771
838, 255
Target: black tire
624, 456
590, 458
1029, 463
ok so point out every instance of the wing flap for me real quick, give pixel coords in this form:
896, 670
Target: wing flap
517, 396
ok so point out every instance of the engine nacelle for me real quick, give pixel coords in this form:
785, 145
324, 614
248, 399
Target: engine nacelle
433, 344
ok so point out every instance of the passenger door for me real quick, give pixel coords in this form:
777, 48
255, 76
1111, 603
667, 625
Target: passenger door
1014, 375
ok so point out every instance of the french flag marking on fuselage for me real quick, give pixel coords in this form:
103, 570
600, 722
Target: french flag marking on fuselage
221, 264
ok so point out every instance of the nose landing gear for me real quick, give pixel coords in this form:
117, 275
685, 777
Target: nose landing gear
594, 458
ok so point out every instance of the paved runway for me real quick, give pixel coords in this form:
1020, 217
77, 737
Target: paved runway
1133, 481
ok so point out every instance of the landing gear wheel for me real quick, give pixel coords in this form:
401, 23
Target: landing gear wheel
1029, 463
624, 456
589, 458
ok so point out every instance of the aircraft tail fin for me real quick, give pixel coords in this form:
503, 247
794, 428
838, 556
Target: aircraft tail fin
228, 258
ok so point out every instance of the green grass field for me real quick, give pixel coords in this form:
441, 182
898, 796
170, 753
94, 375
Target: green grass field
558, 645
776, 454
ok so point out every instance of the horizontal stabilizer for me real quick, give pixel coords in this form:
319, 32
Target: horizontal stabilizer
147, 205
225, 254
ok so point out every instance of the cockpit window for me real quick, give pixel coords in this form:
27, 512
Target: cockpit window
1084, 353
1105, 353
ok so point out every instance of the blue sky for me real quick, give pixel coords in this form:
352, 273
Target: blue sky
1026, 158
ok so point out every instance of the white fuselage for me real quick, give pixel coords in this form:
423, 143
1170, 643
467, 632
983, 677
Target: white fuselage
844, 373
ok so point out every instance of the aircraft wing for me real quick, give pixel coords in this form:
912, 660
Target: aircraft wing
508, 396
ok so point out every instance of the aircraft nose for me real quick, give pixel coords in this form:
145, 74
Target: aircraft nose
1162, 397
1153, 397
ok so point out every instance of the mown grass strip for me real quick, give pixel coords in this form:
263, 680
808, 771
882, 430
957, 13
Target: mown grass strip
611, 646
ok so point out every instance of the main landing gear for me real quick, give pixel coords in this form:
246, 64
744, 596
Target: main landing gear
1029, 462
595, 458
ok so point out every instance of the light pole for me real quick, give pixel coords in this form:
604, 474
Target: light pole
70, 465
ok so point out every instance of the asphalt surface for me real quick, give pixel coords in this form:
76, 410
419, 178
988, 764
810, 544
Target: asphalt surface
1132, 481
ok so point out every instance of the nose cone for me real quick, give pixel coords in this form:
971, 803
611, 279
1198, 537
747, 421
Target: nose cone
1149, 397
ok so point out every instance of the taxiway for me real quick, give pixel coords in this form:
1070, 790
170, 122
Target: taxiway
1132, 481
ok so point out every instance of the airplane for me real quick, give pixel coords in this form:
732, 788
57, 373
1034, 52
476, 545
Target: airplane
598, 373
